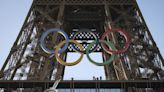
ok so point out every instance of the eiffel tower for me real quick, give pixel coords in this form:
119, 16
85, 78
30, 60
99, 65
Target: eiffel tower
132, 62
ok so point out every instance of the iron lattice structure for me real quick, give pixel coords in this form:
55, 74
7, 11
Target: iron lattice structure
25, 67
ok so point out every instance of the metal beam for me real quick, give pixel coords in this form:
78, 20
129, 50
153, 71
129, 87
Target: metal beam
84, 2
83, 84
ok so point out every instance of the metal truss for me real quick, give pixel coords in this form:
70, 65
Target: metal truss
27, 61
72, 85
17, 54
84, 2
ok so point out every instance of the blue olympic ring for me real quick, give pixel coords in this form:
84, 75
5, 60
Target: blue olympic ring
51, 51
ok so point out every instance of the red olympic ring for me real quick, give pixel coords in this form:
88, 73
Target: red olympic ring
126, 45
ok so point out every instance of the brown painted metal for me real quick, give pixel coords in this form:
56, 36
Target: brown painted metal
83, 84
67, 14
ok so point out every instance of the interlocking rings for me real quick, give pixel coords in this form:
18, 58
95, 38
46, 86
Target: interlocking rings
126, 45
64, 62
107, 46
51, 51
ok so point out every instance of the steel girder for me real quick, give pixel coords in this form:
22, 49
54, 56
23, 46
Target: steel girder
44, 14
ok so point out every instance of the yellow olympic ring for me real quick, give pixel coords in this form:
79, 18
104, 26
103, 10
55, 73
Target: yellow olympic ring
64, 62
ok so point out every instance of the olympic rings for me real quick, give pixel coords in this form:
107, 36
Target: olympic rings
63, 62
85, 30
126, 45
109, 44
49, 51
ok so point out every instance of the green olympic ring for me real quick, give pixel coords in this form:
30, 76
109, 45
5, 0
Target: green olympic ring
109, 44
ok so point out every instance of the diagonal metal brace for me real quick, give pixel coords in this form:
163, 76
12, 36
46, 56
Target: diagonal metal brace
46, 15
